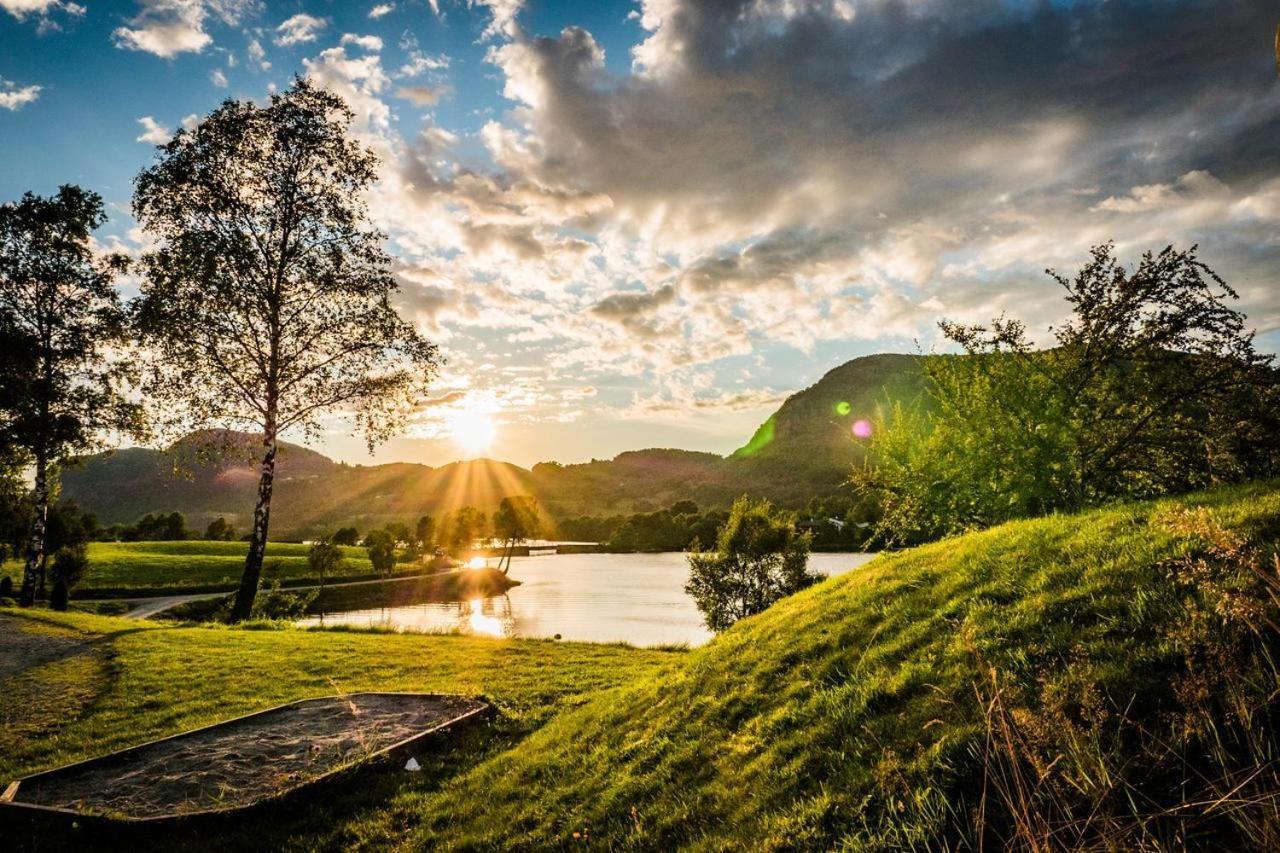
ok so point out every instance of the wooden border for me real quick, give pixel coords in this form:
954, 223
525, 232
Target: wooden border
8, 803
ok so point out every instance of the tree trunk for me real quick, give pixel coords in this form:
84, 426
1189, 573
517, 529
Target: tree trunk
511, 544
33, 571
258, 542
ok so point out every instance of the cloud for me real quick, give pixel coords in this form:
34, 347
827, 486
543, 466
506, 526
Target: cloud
503, 16
217, 78
258, 56
14, 97
422, 96
381, 9
44, 11
153, 133
370, 43
167, 28
299, 29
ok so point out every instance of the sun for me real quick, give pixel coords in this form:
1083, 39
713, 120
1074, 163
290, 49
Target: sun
472, 429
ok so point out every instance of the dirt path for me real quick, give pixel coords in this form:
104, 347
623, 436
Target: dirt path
25, 644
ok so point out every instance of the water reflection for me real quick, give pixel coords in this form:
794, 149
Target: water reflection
633, 598
490, 617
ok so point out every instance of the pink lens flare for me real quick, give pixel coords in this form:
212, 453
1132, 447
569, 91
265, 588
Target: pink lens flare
862, 429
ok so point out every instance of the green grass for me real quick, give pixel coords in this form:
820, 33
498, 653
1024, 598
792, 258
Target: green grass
194, 563
868, 712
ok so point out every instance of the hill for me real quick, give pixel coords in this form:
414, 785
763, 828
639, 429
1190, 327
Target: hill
804, 450
1095, 681
1037, 679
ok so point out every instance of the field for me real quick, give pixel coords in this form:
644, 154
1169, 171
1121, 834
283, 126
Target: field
1096, 680
193, 564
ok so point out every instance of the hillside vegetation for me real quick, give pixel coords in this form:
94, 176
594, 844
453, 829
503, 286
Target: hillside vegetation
803, 450
1099, 680
1074, 680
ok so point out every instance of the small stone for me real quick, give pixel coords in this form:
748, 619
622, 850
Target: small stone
412, 765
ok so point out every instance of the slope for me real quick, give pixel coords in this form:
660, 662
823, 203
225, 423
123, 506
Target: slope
1033, 681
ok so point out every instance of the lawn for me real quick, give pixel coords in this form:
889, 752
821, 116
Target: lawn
1099, 680
138, 681
173, 566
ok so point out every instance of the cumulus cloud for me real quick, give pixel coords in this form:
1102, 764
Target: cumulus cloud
381, 9
299, 29
217, 78
167, 28
371, 43
421, 96
13, 97
258, 56
153, 133
47, 13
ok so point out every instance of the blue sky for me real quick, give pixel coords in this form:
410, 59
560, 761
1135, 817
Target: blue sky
642, 224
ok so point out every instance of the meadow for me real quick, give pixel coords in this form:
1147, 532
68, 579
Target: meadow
138, 567
1078, 680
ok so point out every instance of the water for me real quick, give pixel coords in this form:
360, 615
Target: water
633, 598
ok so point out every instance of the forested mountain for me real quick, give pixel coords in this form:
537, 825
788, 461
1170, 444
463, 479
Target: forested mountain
803, 450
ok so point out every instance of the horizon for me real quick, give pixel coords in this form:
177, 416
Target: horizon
652, 280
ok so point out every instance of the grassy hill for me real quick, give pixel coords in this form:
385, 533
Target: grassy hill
1104, 680
804, 449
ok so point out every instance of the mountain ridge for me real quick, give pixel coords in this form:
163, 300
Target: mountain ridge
804, 449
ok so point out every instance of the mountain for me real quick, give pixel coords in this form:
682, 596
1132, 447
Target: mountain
804, 449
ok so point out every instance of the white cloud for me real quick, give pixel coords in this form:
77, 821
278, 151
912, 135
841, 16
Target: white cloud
381, 9
419, 63
217, 78
299, 29
13, 97
167, 28
153, 132
371, 43
258, 56
43, 11
504, 12
421, 96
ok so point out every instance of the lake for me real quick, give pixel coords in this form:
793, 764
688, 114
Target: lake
633, 598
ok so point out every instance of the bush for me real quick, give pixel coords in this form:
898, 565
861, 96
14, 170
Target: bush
759, 558
70, 565
382, 552
58, 598
275, 603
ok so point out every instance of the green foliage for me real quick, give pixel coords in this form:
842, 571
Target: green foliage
458, 530
61, 390
324, 559
345, 536
382, 551
159, 528
759, 558
1154, 388
517, 518
220, 530
266, 301
70, 564
424, 531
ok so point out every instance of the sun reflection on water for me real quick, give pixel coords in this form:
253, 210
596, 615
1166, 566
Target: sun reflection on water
482, 623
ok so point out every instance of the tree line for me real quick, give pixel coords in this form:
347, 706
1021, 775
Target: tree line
265, 304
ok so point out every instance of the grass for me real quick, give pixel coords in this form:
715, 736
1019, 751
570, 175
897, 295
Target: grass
174, 566
1099, 680
153, 680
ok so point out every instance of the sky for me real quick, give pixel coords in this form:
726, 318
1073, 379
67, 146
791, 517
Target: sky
639, 224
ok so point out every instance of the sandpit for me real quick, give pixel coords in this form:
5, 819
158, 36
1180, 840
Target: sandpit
244, 761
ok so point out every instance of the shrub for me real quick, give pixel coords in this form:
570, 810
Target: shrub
759, 558
70, 565
58, 598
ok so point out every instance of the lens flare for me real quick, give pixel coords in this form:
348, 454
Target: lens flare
862, 429
843, 408
476, 563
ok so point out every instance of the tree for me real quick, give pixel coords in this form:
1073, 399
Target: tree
759, 557
515, 519
324, 558
1154, 387
61, 391
424, 531
218, 530
268, 299
382, 552
467, 525
345, 536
